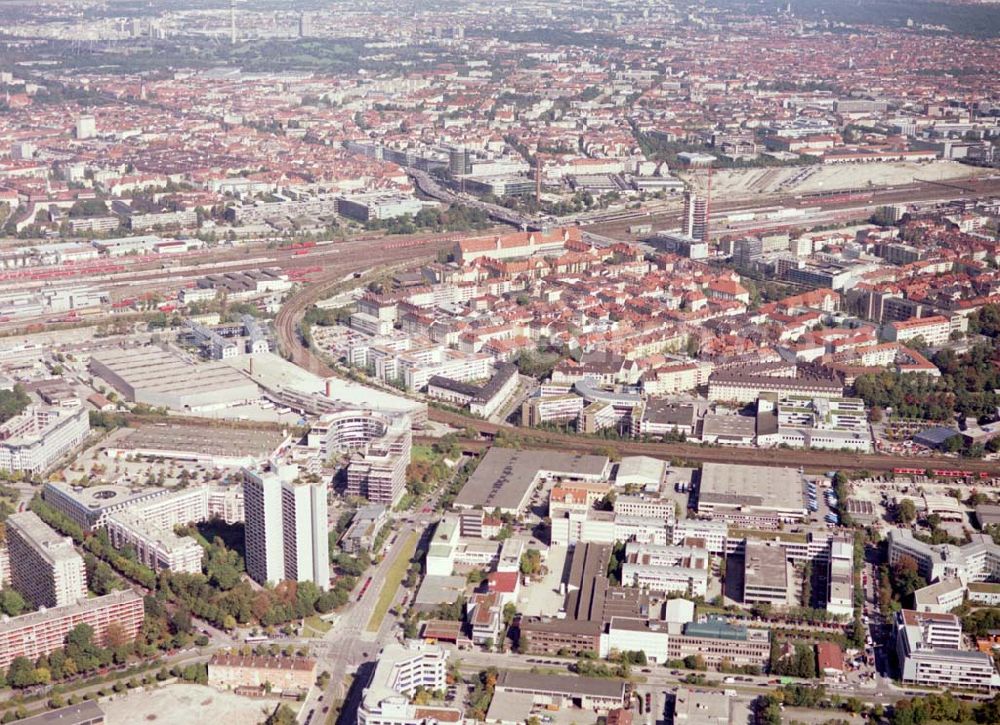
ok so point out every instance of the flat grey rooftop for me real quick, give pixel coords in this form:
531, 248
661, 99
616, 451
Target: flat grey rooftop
505, 475
728, 484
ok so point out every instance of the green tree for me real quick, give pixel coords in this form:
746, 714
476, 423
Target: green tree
906, 511
21, 673
11, 602
531, 562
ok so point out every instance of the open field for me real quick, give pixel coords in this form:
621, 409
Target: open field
182, 704
393, 579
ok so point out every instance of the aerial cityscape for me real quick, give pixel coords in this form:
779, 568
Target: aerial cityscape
523, 363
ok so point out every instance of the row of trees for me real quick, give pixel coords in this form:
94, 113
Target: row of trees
457, 218
80, 655
944, 708
897, 583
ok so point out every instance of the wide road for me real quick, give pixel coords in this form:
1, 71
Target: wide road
349, 645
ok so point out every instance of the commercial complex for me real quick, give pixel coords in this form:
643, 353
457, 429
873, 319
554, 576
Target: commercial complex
205, 445
602, 618
840, 579
159, 378
505, 477
765, 574
752, 496
37, 438
588, 693
669, 569
929, 649
44, 567
813, 422
39, 633
400, 671
977, 561
286, 527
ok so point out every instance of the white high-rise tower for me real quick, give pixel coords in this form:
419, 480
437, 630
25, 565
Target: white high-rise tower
286, 527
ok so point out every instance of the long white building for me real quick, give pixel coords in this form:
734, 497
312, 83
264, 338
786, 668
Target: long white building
669, 569
40, 436
286, 527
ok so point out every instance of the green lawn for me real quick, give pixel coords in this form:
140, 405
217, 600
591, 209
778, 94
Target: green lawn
315, 626
423, 453
394, 577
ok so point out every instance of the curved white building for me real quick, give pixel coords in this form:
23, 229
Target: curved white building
379, 446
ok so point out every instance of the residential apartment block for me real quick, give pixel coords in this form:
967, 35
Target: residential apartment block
44, 567
379, 447
286, 527
39, 633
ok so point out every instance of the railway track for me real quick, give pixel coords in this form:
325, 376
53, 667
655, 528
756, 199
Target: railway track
829, 460
386, 255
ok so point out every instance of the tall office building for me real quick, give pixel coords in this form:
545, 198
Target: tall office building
747, 251
305, 25
44, 567
695, 219
286, 527
86, 127
459, 160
